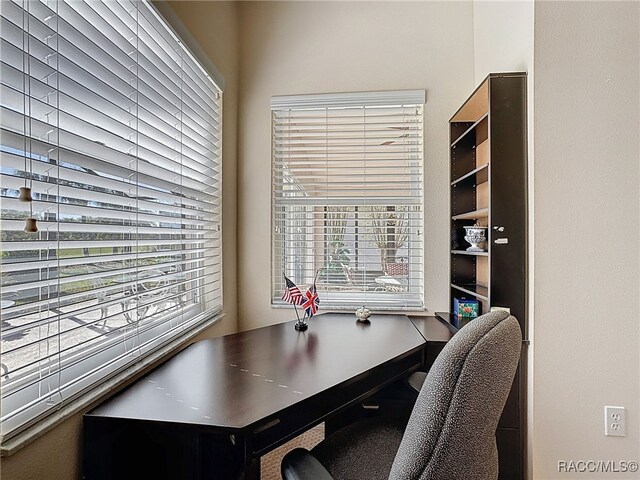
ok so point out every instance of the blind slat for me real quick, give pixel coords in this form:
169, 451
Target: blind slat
96, 260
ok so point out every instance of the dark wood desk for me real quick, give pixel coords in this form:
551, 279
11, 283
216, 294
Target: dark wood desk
436, 332
224, 402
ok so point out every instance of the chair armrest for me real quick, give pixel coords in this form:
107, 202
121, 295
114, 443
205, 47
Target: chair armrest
299, 464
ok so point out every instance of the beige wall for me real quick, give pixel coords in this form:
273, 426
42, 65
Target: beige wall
316, 47
503, 36
57, 454
586, 336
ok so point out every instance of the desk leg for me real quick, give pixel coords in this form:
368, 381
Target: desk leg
250, 464
252, 470
219, 457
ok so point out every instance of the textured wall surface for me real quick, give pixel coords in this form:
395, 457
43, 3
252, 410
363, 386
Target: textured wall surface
586, 337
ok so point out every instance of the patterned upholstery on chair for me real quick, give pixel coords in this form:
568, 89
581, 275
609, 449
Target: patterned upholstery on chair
360, 440
451, 432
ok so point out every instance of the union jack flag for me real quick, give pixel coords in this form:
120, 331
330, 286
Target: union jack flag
311, 301
292, 293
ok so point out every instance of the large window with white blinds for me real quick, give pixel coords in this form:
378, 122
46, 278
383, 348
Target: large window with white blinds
347, 206
111, 196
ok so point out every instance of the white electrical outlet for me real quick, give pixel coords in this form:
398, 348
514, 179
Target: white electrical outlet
615, 421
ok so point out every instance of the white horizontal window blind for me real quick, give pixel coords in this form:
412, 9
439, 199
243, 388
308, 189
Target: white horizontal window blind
115, 128
348, 198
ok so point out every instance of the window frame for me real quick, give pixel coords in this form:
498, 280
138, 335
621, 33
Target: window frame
336, 300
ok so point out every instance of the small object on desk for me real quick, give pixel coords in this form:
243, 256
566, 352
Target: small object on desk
363, 314
466, 308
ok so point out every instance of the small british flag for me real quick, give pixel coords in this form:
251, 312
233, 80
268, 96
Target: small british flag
311, 301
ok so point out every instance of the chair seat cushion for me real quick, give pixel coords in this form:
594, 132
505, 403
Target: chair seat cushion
363, 450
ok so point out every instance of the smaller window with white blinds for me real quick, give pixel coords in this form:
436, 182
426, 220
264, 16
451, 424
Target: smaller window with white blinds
347, 205
115, 129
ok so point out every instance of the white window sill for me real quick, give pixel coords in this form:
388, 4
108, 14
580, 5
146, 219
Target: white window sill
411, 310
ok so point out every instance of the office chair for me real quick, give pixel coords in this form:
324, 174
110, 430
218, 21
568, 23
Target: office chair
450, 434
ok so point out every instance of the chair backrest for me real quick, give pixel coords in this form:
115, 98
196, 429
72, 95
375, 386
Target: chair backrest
451, 431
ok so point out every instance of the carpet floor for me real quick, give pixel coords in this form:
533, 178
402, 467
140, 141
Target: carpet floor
270, 463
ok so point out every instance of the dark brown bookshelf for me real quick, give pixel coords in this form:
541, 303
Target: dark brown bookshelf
480, 292
464, 252
474, 215
478, 175
470, 129
488, 187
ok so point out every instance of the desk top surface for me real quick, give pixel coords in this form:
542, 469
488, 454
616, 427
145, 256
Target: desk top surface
236, 380
434, 329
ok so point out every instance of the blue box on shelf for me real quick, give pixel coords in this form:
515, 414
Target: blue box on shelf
467, 308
